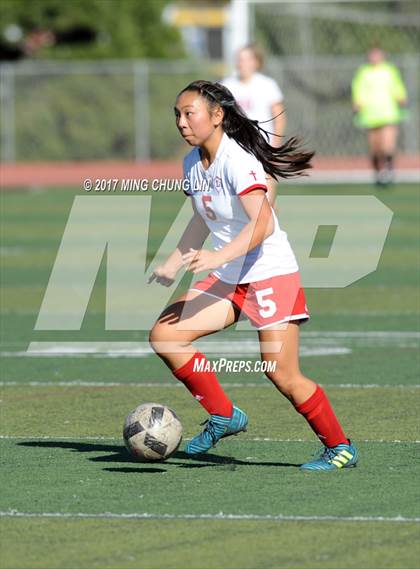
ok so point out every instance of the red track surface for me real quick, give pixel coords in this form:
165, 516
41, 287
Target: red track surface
15, 175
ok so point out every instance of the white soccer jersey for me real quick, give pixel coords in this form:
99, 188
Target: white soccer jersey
216, 192
256, 97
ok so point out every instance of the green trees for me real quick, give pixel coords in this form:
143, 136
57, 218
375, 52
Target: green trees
87, 29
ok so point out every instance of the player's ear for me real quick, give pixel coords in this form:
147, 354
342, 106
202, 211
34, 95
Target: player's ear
217, 116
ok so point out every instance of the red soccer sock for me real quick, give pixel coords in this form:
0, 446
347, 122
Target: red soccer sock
204, 385
318, 412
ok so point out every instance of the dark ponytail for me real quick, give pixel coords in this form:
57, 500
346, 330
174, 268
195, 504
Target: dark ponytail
286, 161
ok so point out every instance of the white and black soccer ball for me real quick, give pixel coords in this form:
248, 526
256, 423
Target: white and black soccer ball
152, 432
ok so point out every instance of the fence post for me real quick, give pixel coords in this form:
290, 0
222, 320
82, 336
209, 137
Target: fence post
7, 114
142, 110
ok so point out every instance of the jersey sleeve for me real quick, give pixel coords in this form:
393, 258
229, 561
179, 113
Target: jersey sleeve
275, 93
246, 174
358, 87
398, 88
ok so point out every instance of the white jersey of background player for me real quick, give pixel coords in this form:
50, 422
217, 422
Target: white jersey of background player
216, 192
259, 96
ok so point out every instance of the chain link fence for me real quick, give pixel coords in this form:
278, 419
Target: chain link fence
314, 49
65, 112
92, 110
124, 111
317, 94
327, 28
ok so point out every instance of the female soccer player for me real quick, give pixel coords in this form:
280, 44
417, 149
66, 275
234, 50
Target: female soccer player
260, 97
379, 95
253, 270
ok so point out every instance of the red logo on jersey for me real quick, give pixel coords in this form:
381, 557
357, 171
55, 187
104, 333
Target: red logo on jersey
253, 174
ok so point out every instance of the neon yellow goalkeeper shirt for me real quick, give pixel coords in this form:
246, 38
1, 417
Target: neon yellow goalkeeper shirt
377, 91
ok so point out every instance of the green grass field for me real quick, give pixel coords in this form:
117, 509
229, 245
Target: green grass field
72, 497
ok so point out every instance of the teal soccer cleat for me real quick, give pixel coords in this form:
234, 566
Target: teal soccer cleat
238, 423
335, 458
216, 428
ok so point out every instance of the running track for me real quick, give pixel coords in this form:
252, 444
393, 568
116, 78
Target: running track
45, 174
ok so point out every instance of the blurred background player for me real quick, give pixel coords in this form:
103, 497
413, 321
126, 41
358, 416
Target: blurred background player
379, 94
260, 98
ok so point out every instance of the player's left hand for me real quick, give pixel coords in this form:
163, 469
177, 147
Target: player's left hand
202, 260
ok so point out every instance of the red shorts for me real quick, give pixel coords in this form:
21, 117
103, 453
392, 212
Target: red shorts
272, 301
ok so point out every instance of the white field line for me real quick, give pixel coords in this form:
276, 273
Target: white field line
143, 349
177, 384
402, 312
313, 344
250, 335
137, 354
250, 440
219, 516
363, 334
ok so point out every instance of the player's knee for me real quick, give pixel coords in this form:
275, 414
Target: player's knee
278, 373
164, 340
158, 335
153, 338
284, 378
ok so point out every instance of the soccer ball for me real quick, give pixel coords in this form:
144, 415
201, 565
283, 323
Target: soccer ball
152, 432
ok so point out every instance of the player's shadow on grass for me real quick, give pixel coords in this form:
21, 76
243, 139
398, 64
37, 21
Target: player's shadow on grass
119, 454
125, 470
229, 462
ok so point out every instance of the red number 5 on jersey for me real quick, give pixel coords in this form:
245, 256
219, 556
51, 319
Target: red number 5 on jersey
209, 212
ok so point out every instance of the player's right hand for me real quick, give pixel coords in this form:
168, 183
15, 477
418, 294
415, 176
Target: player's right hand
162, 275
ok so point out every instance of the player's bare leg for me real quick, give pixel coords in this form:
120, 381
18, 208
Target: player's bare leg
287, 376
193, 316
382, 144
389, 138
376, 153
389, 135
307, 397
